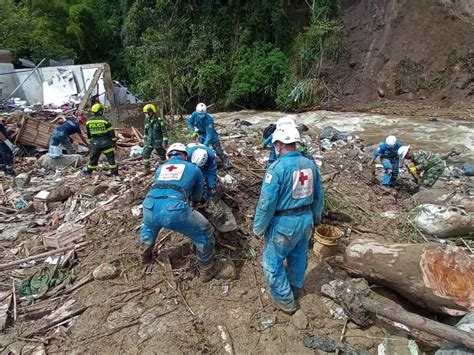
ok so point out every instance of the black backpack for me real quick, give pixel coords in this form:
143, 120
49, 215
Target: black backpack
269, 130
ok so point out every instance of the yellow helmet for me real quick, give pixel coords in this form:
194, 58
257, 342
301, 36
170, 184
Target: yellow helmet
149, 107
97, 107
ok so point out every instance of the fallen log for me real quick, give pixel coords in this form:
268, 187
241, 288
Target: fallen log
437, 277
353, 294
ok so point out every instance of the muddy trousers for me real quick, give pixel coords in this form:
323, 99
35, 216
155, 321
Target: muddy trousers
147, 154
176, 215
432, 175
393, 165
286, 239
109, 154
58, 137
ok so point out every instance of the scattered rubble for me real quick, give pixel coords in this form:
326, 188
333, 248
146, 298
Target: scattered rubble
89, 228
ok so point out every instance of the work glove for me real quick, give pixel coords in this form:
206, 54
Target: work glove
413, 170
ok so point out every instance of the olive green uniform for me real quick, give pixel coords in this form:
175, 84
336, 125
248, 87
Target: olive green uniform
156, 137
102, 138
431, 165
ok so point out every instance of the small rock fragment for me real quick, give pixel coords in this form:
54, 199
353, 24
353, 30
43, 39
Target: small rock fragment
105, 271
299, 320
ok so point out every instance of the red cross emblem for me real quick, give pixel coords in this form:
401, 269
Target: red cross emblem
171, 168
302, 179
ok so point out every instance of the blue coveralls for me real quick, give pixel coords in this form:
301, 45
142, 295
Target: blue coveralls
166, 206
61, 134
207, 134
268, 142
6, 155
208, 170
291, 202
390, 160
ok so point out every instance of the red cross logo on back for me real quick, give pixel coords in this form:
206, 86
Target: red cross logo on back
302, 179
171, 168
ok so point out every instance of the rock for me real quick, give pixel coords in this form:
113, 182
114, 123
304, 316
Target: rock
64, 161
105, 271
442, 221
432, 119
57, 194
333, 134
468, 169
95, 190
299, 320
228, 271
22, 180
381, 92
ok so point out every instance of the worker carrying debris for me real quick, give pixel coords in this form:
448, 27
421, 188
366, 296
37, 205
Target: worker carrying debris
428, 166
388, 153
205, 159
290, 205
6, 152
102, 138
201, 126
62, 134
156, 136
176, 183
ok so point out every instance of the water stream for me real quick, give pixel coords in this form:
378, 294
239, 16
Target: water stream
439, 136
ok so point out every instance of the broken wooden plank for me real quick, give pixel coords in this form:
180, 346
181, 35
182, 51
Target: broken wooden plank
90, 88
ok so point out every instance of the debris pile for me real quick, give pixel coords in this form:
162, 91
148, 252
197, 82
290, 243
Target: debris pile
70, 276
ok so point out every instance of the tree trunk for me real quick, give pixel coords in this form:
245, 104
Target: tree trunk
434, 276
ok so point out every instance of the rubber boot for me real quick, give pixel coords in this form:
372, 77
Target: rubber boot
146, 254
146, 171
287, 308
297, 292
208, 272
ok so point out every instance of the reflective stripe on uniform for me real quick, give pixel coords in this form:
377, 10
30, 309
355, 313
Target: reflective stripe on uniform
114, 166
108, 150
93, 167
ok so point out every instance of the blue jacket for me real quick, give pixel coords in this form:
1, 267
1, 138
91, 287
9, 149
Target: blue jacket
185, 177
208, 170
205, 127
268, 141
70, 127
384, 151
290, 182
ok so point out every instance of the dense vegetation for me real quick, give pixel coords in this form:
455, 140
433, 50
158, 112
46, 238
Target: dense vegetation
265, 53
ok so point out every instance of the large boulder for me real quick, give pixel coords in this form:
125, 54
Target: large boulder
443, 221
62, 162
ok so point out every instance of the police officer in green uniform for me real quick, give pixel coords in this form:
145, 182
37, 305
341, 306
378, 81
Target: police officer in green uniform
102, 138
156, 136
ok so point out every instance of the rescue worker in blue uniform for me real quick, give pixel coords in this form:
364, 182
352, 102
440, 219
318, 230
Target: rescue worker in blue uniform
6, 152
176, 184
102, 138
290, 205
61, 134
205, 159
201, 126
267, 142
388, 153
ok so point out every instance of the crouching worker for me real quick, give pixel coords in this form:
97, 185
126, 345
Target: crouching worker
290, 205
61, 135
205, 159
428, 167
102, 137
388, 153
175, 184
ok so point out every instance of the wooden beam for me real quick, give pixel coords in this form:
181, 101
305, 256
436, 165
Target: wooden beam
91, 87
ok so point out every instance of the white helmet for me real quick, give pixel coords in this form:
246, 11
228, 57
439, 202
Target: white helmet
201, 108
402, 151
286, 135
285, 121
391, 141
176, 148
199, 157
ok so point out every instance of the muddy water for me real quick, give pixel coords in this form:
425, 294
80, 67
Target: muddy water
440, 136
